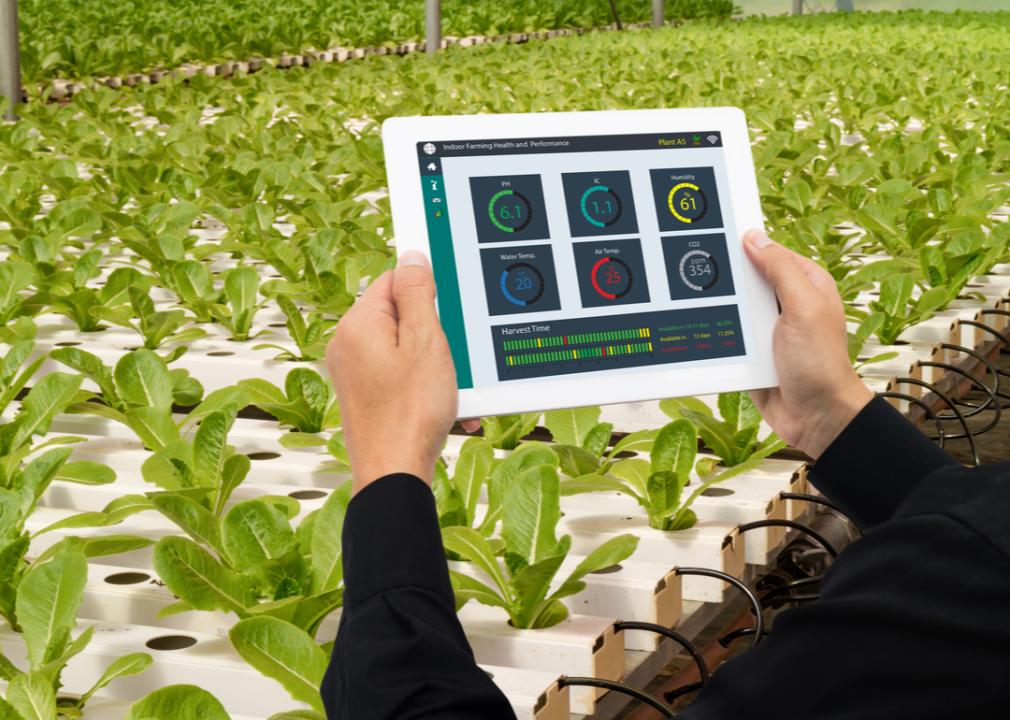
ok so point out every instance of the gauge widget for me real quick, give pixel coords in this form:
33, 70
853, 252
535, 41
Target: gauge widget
520, 280
600, 203
697, 266
698, 270
522, 284
510, 211
686, 199
611, 273
509, 208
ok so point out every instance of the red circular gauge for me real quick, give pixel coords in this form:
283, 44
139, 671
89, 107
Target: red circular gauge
611, 278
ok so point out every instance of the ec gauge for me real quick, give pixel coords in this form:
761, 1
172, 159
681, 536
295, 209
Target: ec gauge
698, 270
600, 206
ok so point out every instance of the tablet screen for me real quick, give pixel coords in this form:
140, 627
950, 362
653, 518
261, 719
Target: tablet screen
583, 254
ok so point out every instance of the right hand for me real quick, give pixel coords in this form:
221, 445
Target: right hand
819, 392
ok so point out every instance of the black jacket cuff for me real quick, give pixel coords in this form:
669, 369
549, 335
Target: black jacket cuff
391, 539
875, 463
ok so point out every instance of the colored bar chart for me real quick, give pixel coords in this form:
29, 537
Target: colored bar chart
566, 346
538, 358
577, 339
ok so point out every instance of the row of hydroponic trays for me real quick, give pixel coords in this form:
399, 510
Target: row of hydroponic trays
174, 258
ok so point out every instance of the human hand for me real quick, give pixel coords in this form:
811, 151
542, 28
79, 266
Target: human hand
394, 376
819, 392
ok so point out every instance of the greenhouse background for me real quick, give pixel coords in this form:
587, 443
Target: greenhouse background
192, 194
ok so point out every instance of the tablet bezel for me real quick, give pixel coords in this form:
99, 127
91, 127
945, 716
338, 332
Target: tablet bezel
754, 370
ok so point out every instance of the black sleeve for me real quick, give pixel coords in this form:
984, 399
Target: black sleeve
876, 463
400, 652
911, 623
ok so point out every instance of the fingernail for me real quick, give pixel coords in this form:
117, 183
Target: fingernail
413, 257
758, 239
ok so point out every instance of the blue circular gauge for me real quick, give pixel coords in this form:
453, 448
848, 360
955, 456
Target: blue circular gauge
601, 207
522, 284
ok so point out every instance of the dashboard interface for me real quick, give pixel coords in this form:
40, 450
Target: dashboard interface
582, 254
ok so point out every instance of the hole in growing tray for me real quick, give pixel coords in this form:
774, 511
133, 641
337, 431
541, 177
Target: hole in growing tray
607, 570
263, 456
220, 353
307, 494
277, 325
171, 642
127, 578
67, 343
624, 454
717, 492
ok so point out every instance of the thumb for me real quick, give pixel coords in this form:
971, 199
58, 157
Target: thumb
782, 268
414, 293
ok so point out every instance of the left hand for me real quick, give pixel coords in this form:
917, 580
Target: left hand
394, 376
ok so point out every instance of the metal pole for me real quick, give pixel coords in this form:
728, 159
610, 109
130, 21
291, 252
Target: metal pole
658, 13
433, 25
797, 7
10, 56
845, 5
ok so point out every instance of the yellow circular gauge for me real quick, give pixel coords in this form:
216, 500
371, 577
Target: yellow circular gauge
687, 202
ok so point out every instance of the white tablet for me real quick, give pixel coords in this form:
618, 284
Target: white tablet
587, 258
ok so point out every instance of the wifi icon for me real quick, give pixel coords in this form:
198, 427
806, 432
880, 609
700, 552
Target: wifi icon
713, 139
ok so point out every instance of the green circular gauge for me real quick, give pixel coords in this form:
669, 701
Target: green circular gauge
510, 211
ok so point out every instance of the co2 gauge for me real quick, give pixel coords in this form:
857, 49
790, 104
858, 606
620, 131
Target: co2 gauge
698, 270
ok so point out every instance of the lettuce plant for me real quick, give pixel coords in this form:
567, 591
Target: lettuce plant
505, 432
88, 307
246, 558
658, 484
241, 288
47, 598
456, 498
734, 438
521, 581
15, 277
285, 652
155, 327
139, 392
194, 287
306, 404
897, 309
309, 335
178, 702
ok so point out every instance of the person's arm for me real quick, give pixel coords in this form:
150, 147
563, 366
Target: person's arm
909, 622
400, 652
869, 458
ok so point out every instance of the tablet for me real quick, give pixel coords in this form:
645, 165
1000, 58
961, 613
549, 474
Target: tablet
587, 258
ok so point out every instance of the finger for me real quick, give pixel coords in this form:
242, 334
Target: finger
470, 425
819, 277
414, 295
372, 316
783, 268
